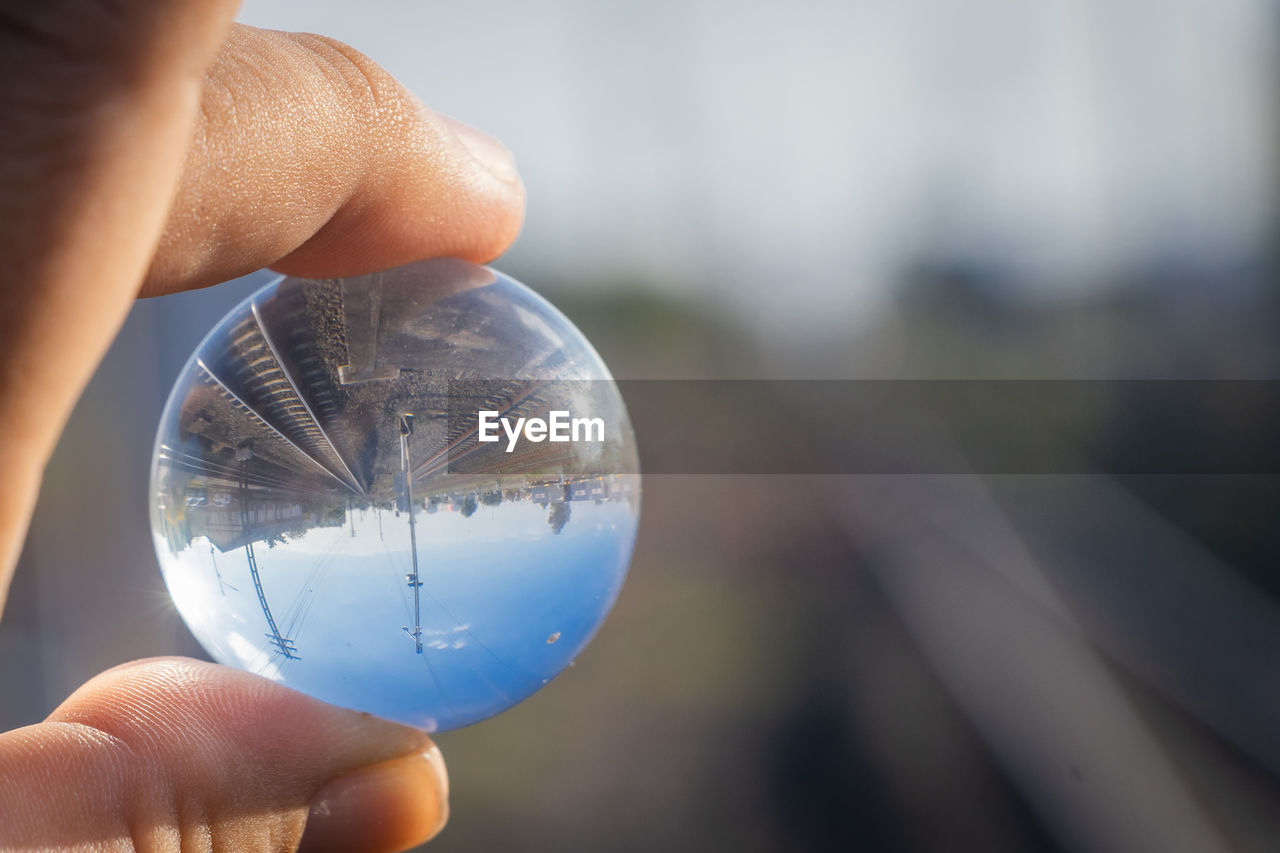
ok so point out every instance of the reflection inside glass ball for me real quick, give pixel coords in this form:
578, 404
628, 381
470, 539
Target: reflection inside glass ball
413, 493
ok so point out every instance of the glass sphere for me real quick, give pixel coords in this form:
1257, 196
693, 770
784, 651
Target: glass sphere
413, 493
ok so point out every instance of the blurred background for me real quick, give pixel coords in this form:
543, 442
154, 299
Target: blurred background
876, 190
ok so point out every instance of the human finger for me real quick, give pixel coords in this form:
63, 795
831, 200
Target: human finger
176, 754
309, 157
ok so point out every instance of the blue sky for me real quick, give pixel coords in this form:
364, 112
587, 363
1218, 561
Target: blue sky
496, 587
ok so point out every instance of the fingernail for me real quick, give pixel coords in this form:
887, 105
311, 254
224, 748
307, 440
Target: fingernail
487, 151
386, 807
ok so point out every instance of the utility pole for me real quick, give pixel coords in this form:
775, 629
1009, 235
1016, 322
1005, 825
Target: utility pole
222, 585
282, 643
406, 476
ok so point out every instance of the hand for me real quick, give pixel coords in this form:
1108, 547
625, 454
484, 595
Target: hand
150, 146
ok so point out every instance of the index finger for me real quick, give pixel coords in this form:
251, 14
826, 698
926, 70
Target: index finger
310, 158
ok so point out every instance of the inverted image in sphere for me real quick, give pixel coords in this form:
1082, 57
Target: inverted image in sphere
413, 493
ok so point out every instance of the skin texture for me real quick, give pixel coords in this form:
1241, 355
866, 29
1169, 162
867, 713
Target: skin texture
152, 146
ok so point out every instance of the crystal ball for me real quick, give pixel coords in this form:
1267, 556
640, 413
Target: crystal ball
413, 493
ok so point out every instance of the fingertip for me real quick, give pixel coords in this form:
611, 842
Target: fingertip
491, 154
239, 753
452, 192
144, 662
341, 171
387, 807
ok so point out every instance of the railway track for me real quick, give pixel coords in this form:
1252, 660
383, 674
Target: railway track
517, 398
253, 375
201, 465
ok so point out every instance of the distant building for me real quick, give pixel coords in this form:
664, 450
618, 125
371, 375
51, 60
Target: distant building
228, 528
549, 493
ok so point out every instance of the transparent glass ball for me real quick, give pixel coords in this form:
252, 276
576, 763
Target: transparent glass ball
331, 508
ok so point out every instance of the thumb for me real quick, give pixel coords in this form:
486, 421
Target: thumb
176, 754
